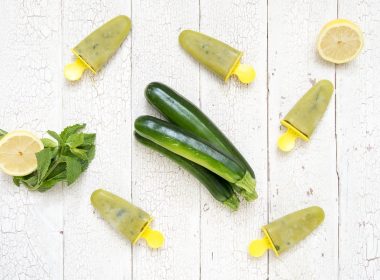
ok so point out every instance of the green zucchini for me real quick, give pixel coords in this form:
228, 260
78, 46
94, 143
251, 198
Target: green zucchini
194, 149
180, 111
219, 188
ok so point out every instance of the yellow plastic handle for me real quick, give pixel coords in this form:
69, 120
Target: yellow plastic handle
74, 71
154, 238
245, 73
258, 247
287, 141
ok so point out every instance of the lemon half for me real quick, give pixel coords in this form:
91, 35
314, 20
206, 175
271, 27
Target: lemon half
340, 41
18, 152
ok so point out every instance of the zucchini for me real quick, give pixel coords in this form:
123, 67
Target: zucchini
180, 111
194, 149
219, 188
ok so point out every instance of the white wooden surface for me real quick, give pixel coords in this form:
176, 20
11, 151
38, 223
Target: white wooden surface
57, 235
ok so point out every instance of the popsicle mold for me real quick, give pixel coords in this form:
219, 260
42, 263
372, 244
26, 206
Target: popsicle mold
285, 232
96, 49
304, 117
131, 221
217, 56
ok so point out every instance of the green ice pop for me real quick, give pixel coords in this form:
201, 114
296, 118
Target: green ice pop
131, 221
96, 49
285, 232
304, 117
217, 56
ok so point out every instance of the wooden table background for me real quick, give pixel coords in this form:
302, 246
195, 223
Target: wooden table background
58, 235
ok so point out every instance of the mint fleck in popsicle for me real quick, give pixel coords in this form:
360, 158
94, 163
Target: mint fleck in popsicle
131, 221
304, 117
96, 49
217, 56
285, 232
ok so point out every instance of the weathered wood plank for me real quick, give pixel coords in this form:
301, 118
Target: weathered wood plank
92, 249
241, 112
358, 136
307, 175
30, 222
159, 186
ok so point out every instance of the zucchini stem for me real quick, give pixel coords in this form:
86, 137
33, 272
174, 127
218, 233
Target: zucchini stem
232, 202
247, 183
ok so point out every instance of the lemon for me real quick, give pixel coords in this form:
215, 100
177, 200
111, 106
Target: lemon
18, 153
340, 41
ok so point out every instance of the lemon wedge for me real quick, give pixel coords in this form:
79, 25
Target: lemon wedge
340, 41
18, 152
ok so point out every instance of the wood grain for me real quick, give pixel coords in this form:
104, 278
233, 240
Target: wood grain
92, 249
30, 86
58, 235
160, 186
241, 112
307, 175
358, 149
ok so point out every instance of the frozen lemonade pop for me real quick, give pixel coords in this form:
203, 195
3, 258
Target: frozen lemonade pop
217, 56
285, 232
96, 49
131, 221
304, 117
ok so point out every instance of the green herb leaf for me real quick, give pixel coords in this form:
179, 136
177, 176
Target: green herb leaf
61, 161
17, 181
48, 143
89, 138
2, 133
75, 140
82, 154
73, 169
43, 163
56, 136
70, 130
58, 168
48, 184
91, 153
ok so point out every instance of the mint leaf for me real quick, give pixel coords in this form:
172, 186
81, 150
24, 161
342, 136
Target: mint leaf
56, 136
43, 163
70, 130
73, 169
89, 138
48, 143
82, 154
59, 161
2, 133
17, 181
91, 153
48, 184
75, 140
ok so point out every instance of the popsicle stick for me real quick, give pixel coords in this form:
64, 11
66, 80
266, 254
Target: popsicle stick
74, 71
245, 73
258, 247
287, 141
154, 238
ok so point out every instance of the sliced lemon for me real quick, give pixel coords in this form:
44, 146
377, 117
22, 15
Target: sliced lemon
340, 41
18, 153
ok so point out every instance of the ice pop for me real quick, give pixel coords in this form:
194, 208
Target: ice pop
305, 115
217, 56
131, 221
282, 234
95, 50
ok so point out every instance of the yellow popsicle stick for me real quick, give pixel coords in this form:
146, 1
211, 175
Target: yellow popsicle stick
286, 142
245, 73
74, 71
258, 247
154, 238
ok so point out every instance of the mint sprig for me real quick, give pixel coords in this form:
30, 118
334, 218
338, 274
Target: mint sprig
63, 159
